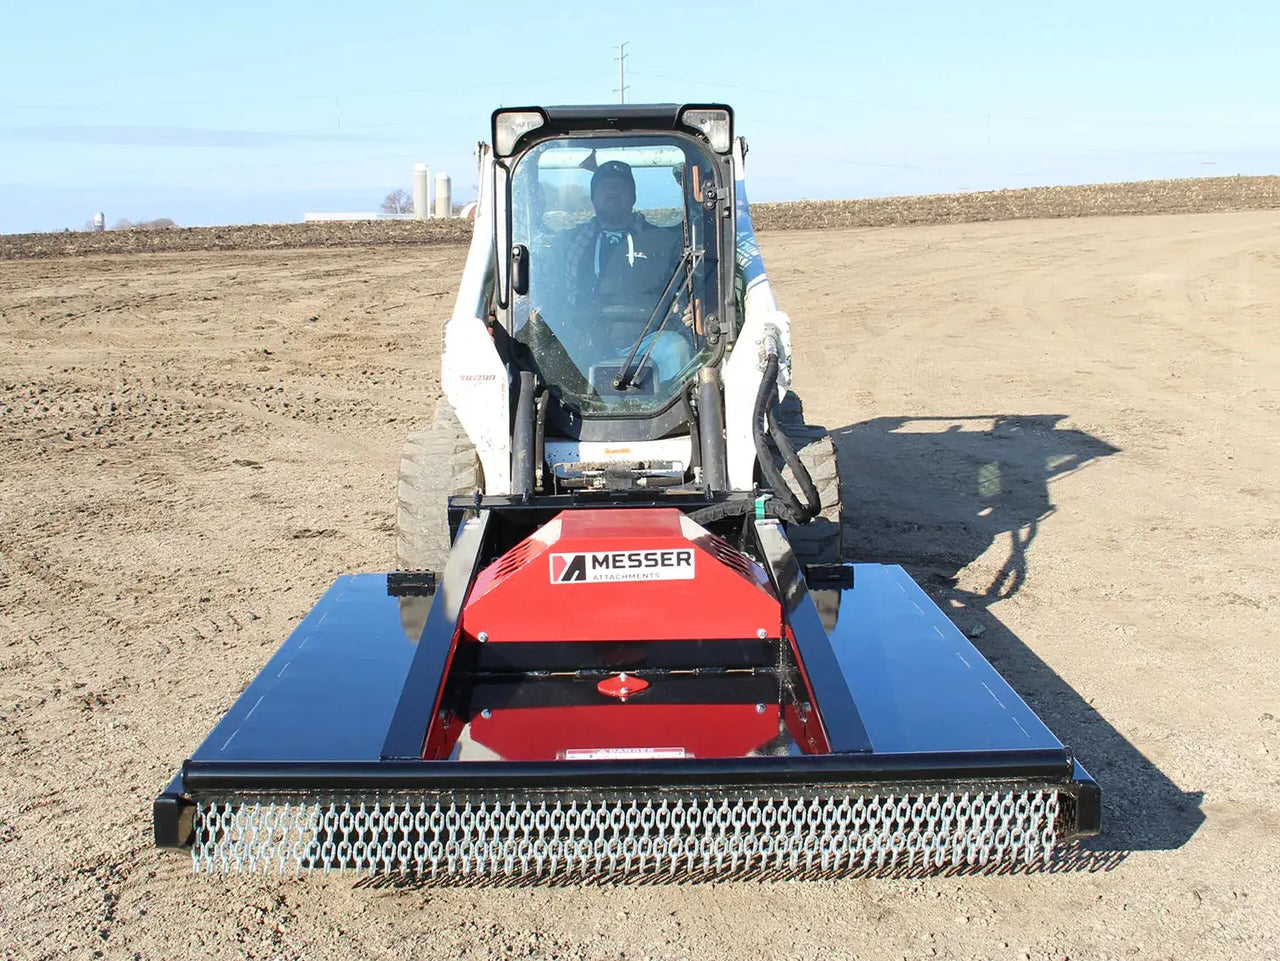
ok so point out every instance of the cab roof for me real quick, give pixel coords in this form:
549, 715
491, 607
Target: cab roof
572, 119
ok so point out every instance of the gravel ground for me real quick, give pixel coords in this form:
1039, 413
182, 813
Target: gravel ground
1065, 429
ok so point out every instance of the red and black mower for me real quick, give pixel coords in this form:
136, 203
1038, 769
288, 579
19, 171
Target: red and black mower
619, 646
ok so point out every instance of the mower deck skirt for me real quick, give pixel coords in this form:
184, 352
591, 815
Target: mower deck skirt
301, 751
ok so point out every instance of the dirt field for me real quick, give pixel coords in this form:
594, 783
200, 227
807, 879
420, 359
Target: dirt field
1066, 429
1190, 196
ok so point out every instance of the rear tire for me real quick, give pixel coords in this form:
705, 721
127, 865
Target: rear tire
435, 464
819, 541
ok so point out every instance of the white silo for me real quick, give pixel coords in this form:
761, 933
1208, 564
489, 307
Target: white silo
99, 221
421, 191
444, 195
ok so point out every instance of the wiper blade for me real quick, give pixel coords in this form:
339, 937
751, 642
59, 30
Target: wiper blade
626, 374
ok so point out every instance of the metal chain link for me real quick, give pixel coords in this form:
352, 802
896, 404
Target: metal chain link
573, 840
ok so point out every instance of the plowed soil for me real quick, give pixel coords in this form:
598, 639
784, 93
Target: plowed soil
1066, 429
1204, 195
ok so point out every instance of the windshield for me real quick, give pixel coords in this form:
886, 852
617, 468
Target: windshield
622, 265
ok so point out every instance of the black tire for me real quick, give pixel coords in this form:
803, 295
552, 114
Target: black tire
819, 541
435, 464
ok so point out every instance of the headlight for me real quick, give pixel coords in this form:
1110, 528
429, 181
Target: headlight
510, 125
715, 123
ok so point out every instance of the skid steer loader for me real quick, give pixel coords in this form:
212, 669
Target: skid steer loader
619, 370
622, 643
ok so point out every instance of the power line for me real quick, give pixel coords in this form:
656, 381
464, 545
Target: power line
622, 86
978, 113
135, 102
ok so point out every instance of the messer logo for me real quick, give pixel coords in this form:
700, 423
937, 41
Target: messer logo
598, 566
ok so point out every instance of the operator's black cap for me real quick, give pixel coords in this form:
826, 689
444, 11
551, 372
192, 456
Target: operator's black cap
615, 169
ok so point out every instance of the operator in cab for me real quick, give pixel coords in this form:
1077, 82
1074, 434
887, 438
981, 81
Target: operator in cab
617, 256
617, 265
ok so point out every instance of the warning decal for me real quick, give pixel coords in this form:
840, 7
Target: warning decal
597, 566
623, 753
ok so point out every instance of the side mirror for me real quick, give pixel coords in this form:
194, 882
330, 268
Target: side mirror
520, 269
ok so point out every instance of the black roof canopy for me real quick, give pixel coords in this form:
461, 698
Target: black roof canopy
570, 119
623, 116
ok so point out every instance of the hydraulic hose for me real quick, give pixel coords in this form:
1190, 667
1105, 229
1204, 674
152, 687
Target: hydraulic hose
761, 415
718, 512
784, 505
803, 477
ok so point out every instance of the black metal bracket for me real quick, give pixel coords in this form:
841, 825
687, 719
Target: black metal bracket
173, 817
865, 769
411, 583
829, 577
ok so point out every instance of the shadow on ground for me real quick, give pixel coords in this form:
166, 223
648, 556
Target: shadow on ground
934, 495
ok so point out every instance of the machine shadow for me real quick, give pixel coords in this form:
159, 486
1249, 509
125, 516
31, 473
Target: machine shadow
934, 495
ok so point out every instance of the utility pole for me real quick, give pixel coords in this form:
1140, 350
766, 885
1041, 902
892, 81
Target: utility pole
622, 86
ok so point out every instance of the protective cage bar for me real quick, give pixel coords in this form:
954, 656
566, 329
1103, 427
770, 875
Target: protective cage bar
573, 837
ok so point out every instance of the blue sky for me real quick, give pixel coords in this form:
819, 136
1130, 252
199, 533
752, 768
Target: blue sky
237, 112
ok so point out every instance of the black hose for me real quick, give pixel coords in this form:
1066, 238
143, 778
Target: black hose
773, 508
765, 398
803, 477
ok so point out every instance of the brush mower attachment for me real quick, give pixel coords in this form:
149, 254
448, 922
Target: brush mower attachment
624, 696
